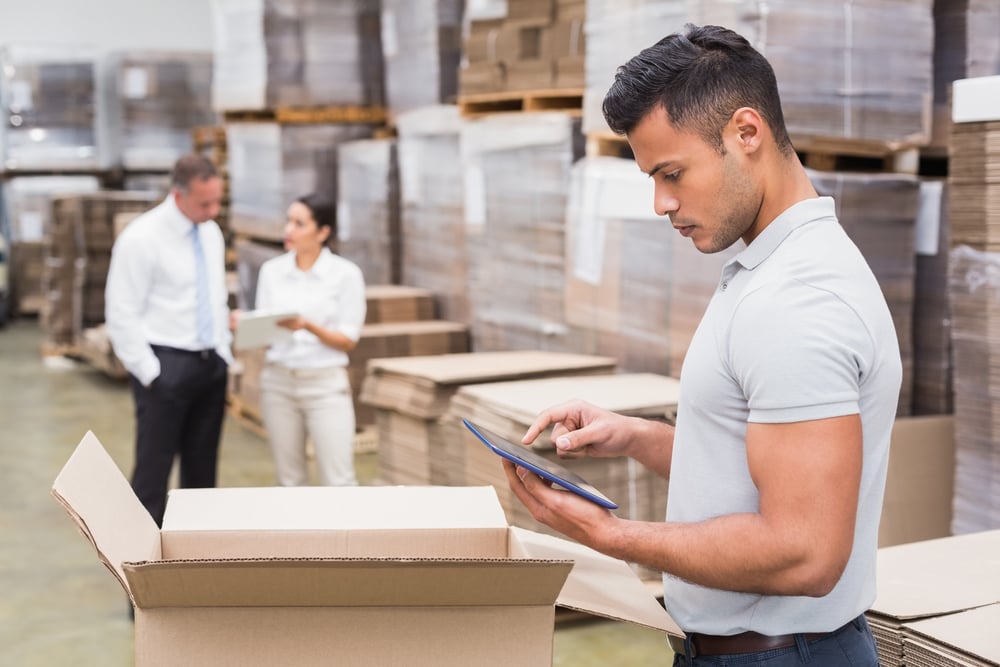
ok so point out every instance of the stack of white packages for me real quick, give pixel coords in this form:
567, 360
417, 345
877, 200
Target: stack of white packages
270, 165
368, 208
852, 70
54, 114
161, 96
27, 206
422, 47
631, 279
433, 253
274, 53
879, 213
516, 171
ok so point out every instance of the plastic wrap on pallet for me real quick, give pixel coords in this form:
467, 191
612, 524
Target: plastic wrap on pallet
516, 170
250, 255
161, 96
270, 165
879, 213
855, 70
368, 208
288, 53
27, 204
54, 109
422, 47
974, 292
432, 223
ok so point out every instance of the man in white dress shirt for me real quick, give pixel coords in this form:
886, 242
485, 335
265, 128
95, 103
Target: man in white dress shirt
168, 320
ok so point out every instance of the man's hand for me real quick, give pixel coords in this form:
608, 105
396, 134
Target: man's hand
581, 429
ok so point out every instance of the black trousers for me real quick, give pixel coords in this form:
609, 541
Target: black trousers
179, 414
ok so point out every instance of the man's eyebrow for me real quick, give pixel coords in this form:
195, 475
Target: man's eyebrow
659, 166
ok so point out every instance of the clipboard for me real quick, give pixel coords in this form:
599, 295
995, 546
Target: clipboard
541, 466
259, 328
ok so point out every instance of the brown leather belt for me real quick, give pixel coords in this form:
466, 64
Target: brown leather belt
745, 642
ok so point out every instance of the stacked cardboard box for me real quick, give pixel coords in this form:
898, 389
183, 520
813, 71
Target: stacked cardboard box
516, 168
856, 71
630, 278
508, 408
410, 395
879, 213
422, 47
433, 253
295, 53
27, 261
54, 109
398, 303
271, 164
932, 364
927, 590
161, 96
536, 45
368, 214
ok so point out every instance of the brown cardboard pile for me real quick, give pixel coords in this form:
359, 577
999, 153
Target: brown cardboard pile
537, 45
368, 208
95, 348
375, 576
879, 213
931, 581
276, 53
974, 180
410, 395
433, 253
508, 408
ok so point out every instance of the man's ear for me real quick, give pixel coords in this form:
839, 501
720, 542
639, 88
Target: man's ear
747, 129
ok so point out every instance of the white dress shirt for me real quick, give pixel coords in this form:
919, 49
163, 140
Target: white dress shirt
331, 294
150, 297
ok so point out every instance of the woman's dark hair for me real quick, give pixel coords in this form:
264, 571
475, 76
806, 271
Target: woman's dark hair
700, 76
323, 210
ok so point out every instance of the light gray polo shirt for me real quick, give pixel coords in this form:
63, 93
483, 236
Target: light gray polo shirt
798, 329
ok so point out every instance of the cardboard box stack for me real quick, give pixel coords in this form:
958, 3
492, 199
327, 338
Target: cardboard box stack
974, 291
368, 215
271, 164
288, 53
855, 71
433, 253
516, 169
423, 576
422, 47
161, 96
410, 395
535, 45
938, 602
508, 408
54, 109
630, 278
879, 213
932, 358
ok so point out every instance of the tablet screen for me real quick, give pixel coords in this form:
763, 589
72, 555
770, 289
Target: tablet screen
541, 466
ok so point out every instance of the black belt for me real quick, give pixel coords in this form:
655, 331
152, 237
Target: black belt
745, 642
204, 354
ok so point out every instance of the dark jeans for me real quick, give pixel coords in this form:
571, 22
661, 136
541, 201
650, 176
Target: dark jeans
851, 646
179, 414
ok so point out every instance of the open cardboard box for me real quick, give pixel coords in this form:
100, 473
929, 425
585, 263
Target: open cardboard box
362, 575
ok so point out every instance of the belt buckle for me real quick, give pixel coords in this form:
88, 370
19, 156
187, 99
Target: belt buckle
204, 354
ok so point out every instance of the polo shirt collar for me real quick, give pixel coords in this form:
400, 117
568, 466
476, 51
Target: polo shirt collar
795, 216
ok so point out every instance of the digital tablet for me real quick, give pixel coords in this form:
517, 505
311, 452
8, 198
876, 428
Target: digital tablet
259, 328
541, 466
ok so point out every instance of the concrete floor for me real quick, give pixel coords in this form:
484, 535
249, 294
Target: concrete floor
60, 606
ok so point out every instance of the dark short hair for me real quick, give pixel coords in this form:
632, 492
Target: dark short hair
700, 76
189, 168
323, 210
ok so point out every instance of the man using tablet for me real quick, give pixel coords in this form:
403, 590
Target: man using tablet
778, 461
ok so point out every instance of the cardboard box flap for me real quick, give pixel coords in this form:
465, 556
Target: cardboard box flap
320, 582
598, 584
97, 496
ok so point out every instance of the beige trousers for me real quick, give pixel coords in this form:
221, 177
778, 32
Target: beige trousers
315, 403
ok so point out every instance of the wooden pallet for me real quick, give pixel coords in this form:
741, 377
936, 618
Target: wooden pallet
569, 100
50, 348
608, 144
346, 114
856, 155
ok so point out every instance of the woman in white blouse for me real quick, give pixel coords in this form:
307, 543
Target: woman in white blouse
305, 390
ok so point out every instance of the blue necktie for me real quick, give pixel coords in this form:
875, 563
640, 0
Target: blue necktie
203, 308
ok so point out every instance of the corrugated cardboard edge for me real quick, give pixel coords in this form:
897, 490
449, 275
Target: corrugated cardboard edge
101, 502
597, 584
